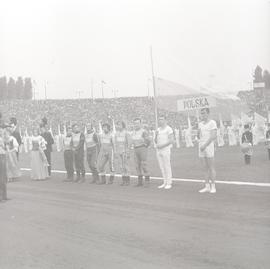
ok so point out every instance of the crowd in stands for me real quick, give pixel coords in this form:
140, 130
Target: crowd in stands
82, 111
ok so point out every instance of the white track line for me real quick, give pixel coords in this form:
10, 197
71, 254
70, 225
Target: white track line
241, 183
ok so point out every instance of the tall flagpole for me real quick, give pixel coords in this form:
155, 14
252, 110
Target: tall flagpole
92, 89
154, 87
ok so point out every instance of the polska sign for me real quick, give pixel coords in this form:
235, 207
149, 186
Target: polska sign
196, 103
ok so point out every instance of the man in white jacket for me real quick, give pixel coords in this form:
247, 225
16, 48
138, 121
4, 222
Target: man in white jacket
164, 140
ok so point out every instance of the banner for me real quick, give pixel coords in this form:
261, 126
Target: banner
167, 93
196, 103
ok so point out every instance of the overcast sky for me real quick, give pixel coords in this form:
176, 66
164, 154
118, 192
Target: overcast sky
195, 42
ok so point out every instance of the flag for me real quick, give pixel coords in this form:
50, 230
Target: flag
259, 120
245, 119
167, 93
100, 127
113, 127
65, 130
189, 124
236, 121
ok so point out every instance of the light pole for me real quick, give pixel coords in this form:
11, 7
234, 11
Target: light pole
79, 92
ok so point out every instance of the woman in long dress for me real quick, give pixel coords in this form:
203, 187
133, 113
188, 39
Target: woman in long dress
3, 166
12, 147
39, 163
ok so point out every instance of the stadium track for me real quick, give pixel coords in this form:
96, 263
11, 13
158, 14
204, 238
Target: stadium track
50, 225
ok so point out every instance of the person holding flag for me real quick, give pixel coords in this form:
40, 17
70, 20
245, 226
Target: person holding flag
12, 147
92, 150
15, 133
164, 140
78, 140
46, 134
207, 137
68, 154
39, 164
107, 149
122, 151
140, 142
3, 164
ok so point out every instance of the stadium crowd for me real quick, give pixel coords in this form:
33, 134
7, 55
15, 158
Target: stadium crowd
81, 110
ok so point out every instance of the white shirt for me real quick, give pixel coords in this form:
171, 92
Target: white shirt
163, 135
205, 131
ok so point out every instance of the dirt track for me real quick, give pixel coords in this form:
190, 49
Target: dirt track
63, 225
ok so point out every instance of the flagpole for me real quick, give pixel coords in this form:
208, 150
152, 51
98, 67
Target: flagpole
102, 90
154, 87
92, 90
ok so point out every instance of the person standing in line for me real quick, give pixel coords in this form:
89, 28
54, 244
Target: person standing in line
247, 144
106, 154
122, 151
12, 147
267, 136
68, 155
207, 137
15, 133
140, 142
46, 134
39, 164
92, 150
3, 166
164, 140
78, 140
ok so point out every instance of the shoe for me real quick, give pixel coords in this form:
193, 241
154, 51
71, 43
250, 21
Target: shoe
205, 189
213, 189
111, 179
162, 186
82, 180
140, 181
124, 181
168, 187
103, 180
147, 181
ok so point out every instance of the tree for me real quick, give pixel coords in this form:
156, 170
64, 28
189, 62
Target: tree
3, 88
258, 74
11, 89
28, 89
19, 88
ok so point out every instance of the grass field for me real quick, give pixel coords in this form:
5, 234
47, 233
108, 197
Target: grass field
52, 224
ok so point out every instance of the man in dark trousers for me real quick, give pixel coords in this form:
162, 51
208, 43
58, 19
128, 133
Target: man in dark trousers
92, 150
49, 140
15, 133
78, 140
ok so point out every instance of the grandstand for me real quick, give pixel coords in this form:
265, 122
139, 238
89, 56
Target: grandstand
30, 112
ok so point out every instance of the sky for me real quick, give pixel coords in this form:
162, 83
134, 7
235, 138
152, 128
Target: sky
71, 46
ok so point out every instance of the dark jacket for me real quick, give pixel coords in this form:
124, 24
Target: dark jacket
247, 137
17, 135
49, 139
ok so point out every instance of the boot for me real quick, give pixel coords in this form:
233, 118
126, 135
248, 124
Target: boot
111, 179
103, 180
147, 181
123, 181
128, 180
78, 177
140, 181
95, 178
5, 193
82, 179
